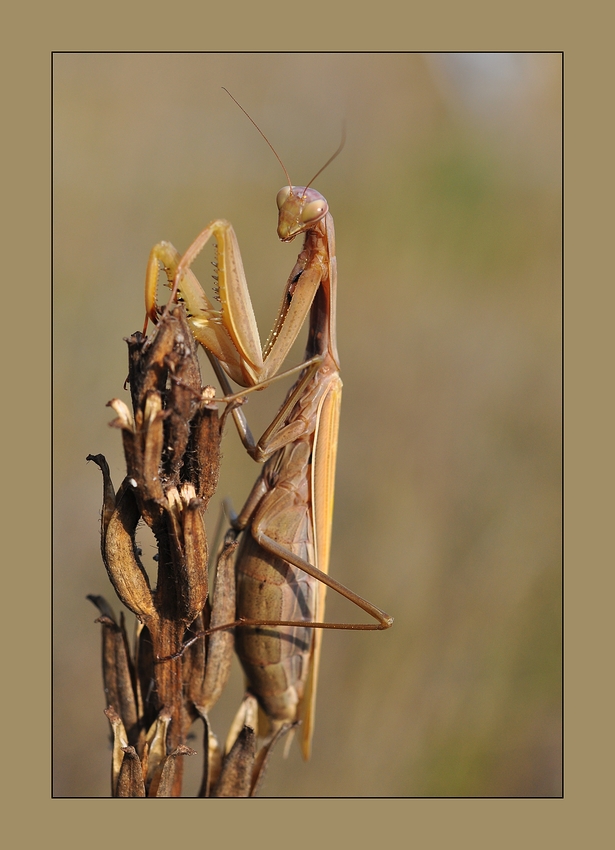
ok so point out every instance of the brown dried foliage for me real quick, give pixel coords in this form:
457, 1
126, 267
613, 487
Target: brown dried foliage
156, 691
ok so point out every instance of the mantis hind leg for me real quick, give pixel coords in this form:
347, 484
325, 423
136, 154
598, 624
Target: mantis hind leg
274, 548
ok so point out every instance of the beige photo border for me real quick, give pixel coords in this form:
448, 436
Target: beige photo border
31, 34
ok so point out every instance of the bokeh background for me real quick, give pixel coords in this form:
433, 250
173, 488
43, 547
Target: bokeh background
447, 205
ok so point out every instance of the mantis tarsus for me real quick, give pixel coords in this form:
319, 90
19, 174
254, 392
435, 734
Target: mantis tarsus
282, 563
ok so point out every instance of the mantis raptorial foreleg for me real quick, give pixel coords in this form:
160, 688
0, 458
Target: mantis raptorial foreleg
230, 333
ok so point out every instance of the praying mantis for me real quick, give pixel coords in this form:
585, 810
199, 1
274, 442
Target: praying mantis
283, 559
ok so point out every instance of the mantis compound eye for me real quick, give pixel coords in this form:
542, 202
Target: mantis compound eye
282, 196
314, 210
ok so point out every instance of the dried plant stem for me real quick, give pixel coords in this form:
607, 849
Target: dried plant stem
155, 691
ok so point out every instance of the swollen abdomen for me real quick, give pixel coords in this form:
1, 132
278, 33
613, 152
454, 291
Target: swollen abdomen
275, 659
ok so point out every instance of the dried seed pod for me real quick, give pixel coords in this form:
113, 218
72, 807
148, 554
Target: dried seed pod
236, 775
130, 782
205, 690
164, 779
118, 672
125, 570
108, 496
156, 743
120, 740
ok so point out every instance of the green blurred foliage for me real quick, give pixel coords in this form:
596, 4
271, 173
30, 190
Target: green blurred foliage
447, 207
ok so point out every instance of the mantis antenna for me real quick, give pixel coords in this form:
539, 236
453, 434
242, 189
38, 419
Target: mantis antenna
328, 162
261, 132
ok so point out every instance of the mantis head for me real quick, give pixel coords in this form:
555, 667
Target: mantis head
300, 208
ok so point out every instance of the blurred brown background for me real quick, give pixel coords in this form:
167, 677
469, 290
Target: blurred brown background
447, 207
